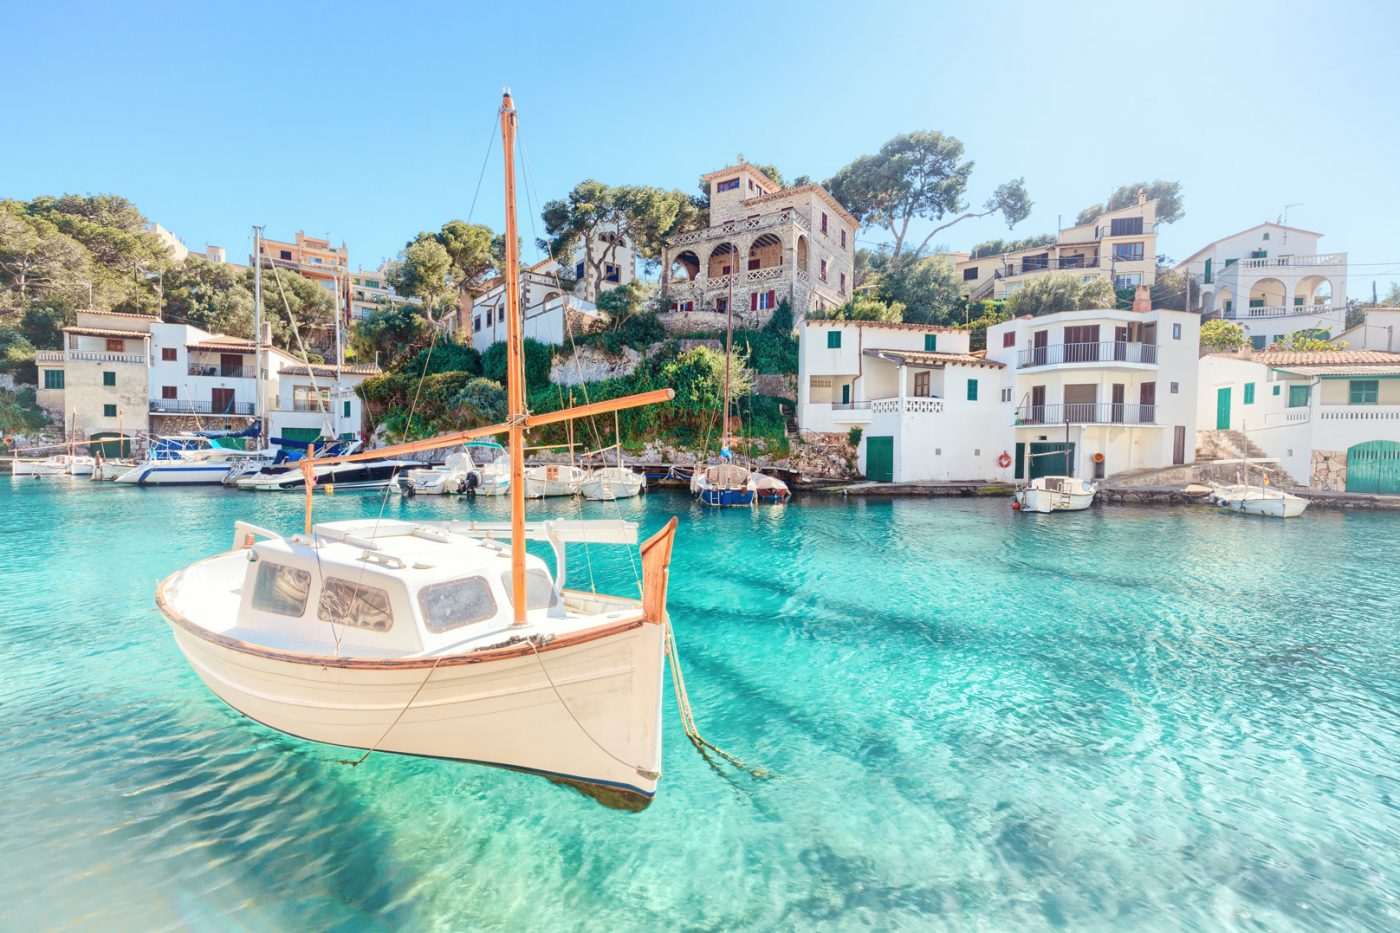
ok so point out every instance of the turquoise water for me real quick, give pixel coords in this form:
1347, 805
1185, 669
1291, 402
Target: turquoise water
1129, 718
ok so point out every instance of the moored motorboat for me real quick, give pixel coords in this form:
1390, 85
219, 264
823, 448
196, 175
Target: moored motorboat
769, 488
367, 474
491, 465
1055, 494
454, 476
184, 460
80, 465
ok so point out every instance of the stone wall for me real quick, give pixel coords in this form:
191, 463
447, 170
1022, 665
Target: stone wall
591, 364
1329, 471
819, 455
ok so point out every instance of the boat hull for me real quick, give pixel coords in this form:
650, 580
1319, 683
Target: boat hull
1044, 500
563, 712
725, 498
1272, 507
605, 487
176, 473
37, 468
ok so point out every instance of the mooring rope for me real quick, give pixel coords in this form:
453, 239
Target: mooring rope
692, 731
373, 748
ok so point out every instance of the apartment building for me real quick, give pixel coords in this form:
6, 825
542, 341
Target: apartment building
762, 245
1270, 279
369, 291
1099, 392
1331, 418
1119, 246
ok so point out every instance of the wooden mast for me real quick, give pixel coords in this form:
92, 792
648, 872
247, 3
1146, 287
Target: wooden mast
515, 369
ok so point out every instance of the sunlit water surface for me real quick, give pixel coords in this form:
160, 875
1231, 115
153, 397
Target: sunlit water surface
1132, 717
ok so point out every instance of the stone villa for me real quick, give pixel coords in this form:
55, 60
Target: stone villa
763, 244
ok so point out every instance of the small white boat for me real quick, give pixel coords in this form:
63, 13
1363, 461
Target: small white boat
769, 488
553, 479
1274, 503
80, 466
107, 471
1055, 494
450, 477
490, 466
184, 460
1221, 493
39, 466
365, 474
613, 482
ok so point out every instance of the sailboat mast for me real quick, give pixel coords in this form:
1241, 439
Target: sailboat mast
515, 369
728, 338
257, 331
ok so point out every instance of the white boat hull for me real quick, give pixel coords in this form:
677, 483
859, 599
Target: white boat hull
611, 483
1056, 494
503, 712
38, 468
1281, 506
180, 472
81, 466
546, 482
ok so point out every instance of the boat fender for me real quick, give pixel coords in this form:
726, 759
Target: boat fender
1004, 460
1015, 506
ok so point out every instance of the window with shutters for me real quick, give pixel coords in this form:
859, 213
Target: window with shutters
1125, 226
930, 343
346, 410
1249, 393
167, 354
729, 184
823, 221
970, 274
972, 390
612, 273
1365, 391
169, 392
109, 411
53, 378
843, 237
1298, 396
109, 378
116, 345
823, 270
921, 384
1008, 339
1258, 344
843, 283
833, 339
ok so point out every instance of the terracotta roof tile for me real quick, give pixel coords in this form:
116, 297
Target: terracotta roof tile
328, 369
920, 358
1277, 358
921, 328
104, 332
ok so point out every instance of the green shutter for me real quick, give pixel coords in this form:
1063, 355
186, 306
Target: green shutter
1209, 278
1020, 460
1298, 396
1365, 391
1276, 389
347, 410
930, 343
833, 339
1249, 393
109, 411
1257, 342
53, 378
109, 379
972, 390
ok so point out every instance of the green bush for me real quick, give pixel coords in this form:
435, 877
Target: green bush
445, 358
538, 359
854, 436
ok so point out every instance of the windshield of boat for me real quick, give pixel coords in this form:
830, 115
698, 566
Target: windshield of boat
456, 603
539, 590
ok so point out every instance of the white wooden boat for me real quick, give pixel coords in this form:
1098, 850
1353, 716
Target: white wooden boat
39, 466
445, 640
769, 488
1274, 503
450, 477
398, 636
612, 482
554, 479
1055, 494
107, 471
79, 465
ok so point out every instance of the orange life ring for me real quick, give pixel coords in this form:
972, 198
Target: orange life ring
1004, 460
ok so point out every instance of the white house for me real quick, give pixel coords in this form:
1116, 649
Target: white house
1331, 419
1112, 389
928, 409
550, 313
1379, 329
317, 401
1272, 280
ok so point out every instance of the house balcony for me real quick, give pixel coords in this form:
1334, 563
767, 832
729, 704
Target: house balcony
96, 356
1281, 262
220, 371
740, 226
174, 406
1032, 266
1264, 312
1102, 353
48, 356
1383, 414
1086, 413
909, 405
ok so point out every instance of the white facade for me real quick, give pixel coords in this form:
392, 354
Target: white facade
935, 408
1379, 330
546, 308
1272, 280
1307, 410
311, 398
1117, 385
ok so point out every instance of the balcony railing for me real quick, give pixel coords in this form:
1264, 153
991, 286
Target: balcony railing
176, 406
1027, 266
741, 225
1272, 311
1274, 262
1389, 413
1087, 413
97, 356
849, 406
1108, 351
222, 372
909, 405
302, 404
48, 356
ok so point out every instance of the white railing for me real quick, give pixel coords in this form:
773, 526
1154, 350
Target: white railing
741, 225
96, 356
1275, 419
48, 356
1274, 262
1359, 413
1272, 311
913, 405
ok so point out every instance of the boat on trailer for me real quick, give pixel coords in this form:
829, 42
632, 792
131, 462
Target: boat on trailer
445, 640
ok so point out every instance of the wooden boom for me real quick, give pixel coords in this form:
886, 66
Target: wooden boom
531, 421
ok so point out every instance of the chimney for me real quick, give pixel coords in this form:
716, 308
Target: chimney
1142, 299
266, 335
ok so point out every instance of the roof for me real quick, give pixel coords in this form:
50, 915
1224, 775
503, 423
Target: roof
105, 332
1242, 233
135, 317
920, 358
328, 369
742, 166
813, 188
921, 328
1322, 362
1372, 370
222, 342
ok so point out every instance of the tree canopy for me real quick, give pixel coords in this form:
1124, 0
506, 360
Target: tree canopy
997, 247
1221, 336
1166, 193
1060, 291
924, 288
920, 176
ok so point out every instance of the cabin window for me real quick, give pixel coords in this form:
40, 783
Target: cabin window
452, 605
280, 589
539, 591
354, 604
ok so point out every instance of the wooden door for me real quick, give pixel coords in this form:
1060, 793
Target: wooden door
1147, 403
1116, 413
231, 365
1037, 404
1179, 445
222, 402
1039, 341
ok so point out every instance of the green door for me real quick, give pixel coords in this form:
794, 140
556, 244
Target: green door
1222, 409
110, 444
1374, 467
846, 393
1051, 459
879, 459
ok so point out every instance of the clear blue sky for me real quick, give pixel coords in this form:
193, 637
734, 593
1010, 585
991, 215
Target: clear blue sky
369, 122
